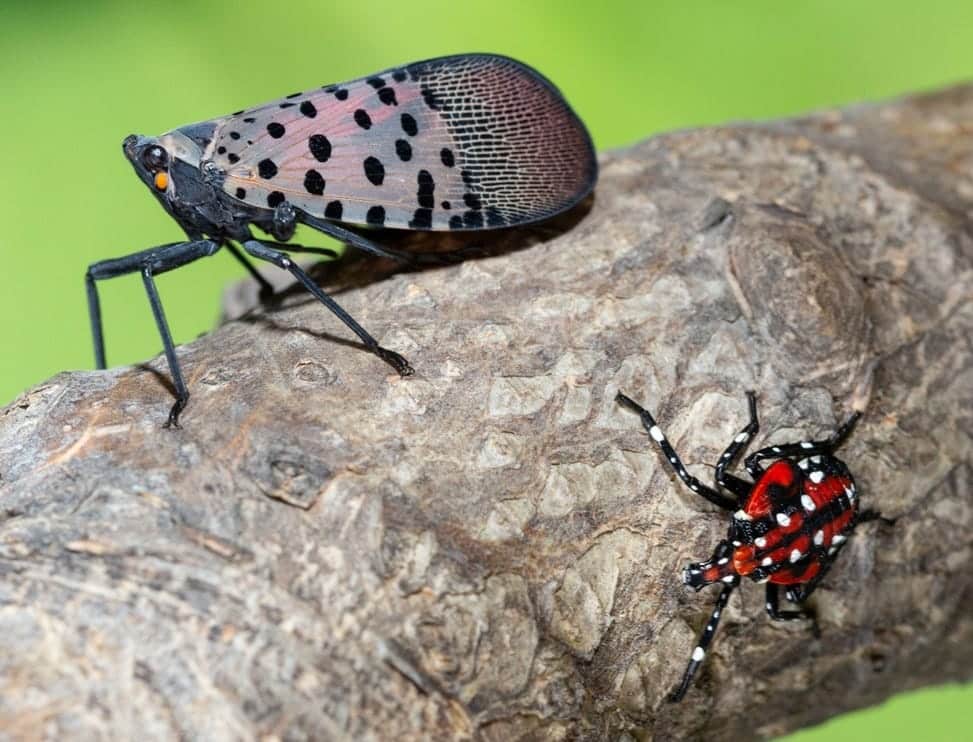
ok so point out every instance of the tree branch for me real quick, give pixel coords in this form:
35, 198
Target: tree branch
492, 548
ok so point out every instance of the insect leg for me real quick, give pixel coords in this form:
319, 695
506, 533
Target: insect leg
149, 263
705, 639
804, 448
738, 444
356, 240
281, 260
363, 243
773, 606
673, 458
266, 290
182, 393
326, 252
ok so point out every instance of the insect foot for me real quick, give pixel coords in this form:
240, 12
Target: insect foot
787, 525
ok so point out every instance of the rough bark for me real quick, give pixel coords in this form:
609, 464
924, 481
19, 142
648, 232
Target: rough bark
492, 548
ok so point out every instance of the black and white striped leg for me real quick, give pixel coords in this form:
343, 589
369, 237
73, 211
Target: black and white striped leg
258, 250
705, 639
738, 444
673, 458
804, 448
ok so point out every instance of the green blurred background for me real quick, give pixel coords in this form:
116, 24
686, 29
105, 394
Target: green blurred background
77, 77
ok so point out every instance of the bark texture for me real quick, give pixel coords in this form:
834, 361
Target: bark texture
492, 548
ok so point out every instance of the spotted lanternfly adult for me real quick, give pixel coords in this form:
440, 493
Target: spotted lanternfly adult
467, 142
788, 524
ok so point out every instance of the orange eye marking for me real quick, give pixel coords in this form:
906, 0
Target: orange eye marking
161, 181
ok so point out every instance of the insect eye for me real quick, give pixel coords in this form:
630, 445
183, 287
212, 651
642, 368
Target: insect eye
155, 158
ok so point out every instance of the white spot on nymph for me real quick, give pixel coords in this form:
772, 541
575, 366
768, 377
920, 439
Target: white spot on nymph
832, 550
698, 654
725, 455
783, 519
776, 449
839, 539
683, 473
656, 433
808, 503
850, 492
724, 560
819, 538
737, 543
741, 438
816, 459
770, 607
694, 487
672, 459
716, 614
804, 464
816, 476
760, 542
728, 578
742, 515
694, 571
796, 555
767, 561
806, 444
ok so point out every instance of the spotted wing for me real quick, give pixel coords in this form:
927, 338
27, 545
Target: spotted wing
462, 142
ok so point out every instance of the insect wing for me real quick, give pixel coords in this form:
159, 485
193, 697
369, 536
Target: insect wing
462, 142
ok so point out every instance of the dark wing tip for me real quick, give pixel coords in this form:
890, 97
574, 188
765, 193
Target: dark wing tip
552, 151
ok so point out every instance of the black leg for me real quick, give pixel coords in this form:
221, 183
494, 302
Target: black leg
281, 260
677, 466
738, 444
149, 263
802, 449
182, 393
354, 239
739, 487
266, 290
773, 606
325, 252
705, 639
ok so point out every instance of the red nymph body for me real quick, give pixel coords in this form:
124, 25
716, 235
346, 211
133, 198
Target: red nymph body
788, 524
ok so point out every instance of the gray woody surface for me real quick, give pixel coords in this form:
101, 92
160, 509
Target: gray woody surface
492, 548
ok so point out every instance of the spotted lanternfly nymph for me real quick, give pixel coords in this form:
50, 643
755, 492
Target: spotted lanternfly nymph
468, 142
788, 524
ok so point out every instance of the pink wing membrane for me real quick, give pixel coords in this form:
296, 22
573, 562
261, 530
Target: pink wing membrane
465, 142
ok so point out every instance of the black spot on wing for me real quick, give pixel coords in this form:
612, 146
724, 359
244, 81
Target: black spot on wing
314, 182
334, 210
320, 147
409, 125
425, 194
374, 171
421, 219
375, 216
266, 169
